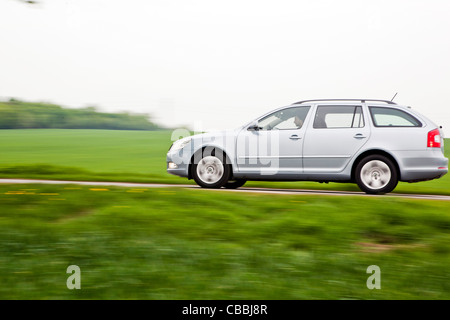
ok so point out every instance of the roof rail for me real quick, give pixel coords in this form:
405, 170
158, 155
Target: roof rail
360, 100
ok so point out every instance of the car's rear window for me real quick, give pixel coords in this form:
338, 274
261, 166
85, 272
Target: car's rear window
390, 117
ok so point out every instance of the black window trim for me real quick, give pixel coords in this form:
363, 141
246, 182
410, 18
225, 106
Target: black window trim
409, 114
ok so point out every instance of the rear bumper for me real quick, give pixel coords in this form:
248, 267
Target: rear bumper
422, 166
416, 176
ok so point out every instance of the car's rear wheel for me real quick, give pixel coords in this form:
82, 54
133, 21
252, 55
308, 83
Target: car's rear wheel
376, 174
211, 171
234, 184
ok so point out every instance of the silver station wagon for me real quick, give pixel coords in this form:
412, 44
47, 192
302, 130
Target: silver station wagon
373, 143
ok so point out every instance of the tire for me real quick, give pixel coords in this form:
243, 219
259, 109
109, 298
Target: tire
234, 184
211, 171
376, 174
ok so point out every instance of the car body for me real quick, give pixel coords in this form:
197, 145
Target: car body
374, 143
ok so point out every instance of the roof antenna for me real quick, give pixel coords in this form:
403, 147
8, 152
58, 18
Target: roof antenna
394, 96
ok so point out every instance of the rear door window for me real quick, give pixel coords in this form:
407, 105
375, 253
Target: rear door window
390, 117
338, 117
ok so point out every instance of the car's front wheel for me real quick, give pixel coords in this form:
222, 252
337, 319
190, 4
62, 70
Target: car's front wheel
376, 174
211, 172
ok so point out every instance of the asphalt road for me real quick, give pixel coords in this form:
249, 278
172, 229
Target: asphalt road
243, 189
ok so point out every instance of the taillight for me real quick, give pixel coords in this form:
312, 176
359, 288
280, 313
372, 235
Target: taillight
434, 139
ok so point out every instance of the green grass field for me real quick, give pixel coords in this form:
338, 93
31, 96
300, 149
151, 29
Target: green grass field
158, 244
86, 154
135, 156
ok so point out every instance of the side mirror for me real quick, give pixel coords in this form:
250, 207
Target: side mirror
254, 126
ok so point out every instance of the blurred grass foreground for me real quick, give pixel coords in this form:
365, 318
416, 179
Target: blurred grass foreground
142, 243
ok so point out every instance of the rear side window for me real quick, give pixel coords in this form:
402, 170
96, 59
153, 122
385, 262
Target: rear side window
389, 117
338, 117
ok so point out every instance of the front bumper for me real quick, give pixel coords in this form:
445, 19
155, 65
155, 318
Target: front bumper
177, 163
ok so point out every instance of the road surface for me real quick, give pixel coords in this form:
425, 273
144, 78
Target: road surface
243, 189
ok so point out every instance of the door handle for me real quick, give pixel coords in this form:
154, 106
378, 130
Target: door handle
359, 136
294, 137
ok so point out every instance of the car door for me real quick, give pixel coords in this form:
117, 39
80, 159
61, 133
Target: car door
336, 133
274, 147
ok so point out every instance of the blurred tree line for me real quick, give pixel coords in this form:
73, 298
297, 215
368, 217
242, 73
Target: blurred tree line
15, 114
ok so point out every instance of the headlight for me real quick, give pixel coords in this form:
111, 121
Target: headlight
180, 144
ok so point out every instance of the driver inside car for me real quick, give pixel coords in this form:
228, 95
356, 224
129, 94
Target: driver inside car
298, 122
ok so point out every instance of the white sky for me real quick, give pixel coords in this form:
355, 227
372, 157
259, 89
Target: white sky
218, 64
